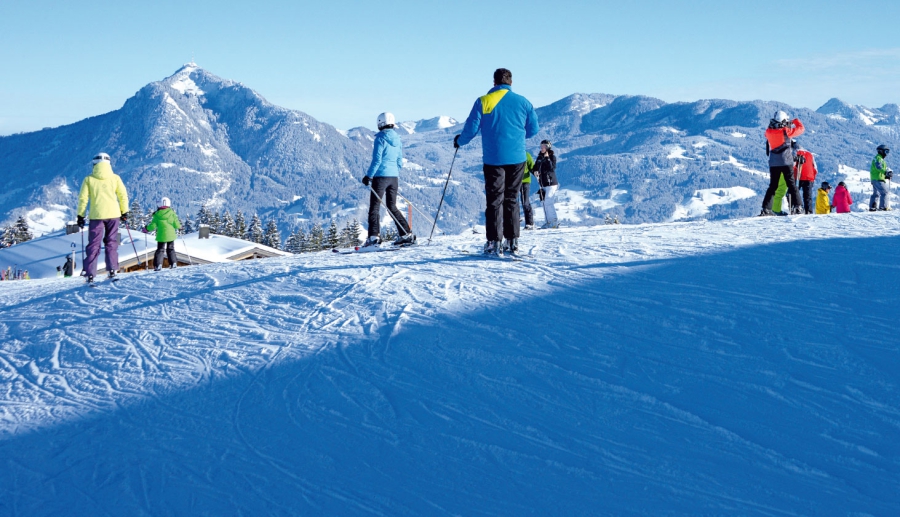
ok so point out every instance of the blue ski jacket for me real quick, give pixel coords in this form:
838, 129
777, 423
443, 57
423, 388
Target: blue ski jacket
505, 120
387, 156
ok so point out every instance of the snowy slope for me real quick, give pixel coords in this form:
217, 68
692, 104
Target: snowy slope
746, 367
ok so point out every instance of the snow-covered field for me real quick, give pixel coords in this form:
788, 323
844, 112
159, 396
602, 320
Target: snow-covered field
744, 367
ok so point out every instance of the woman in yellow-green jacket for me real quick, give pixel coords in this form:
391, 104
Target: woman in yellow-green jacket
106, 194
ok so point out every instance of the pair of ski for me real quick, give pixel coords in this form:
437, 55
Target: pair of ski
371, 249
506, 256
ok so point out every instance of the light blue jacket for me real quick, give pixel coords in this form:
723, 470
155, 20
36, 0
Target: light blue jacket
387, 156
505, 120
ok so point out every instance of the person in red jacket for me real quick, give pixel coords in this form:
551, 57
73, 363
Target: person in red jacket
781, 159
842, 200
805, 169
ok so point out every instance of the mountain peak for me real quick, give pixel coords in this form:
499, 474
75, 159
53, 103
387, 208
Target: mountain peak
181, 80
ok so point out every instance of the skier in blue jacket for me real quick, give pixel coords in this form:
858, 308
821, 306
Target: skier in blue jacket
505, 120
383, 177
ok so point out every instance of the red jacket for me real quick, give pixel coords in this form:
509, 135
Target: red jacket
809, 171
842, 200
778, 144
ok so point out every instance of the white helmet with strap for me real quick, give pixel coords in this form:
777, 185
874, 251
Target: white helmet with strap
782, 117
386, 119
101, 157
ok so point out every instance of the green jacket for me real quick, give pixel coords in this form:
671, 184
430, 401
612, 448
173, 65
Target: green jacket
529, 164
879, 167
165, 222
106, 193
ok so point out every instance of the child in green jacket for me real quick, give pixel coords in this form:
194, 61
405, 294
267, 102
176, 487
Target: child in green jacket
165, 223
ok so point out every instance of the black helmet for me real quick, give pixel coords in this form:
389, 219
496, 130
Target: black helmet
825, 186
883, 148
547, 143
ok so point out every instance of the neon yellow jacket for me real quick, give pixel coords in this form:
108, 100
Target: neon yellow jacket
529, 164
823, 205
106, 193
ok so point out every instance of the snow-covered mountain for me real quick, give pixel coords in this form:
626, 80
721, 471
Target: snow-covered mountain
195, 138
659, 369
198, 139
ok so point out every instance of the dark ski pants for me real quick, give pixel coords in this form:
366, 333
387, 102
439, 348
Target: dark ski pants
502, 185
775, 173
806, 187
526, 204
105, 231
167, 249
386, 188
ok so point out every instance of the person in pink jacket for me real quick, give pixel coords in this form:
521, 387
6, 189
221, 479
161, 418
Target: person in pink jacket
842, 200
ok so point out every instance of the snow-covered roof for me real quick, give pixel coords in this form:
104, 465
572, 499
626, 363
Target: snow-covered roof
41, 256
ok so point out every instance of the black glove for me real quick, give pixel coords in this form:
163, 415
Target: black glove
366, 180
81, 221
888, 175
124, 217
456, 142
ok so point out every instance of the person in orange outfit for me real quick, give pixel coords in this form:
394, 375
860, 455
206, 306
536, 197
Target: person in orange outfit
781, 159
805, 169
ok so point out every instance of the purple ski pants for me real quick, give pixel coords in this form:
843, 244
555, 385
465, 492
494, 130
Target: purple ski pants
96, 231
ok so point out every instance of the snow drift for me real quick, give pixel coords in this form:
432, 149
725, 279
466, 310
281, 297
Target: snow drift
740, 367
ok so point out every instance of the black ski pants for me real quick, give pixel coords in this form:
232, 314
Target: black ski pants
526, 204
775, 173
386, 188
806, 187
167, 248
502, 184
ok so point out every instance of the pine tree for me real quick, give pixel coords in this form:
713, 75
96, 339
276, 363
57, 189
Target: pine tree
316, 238
203, 216
228, 228
215, 223
188, 225
240, 226
272, 238
137, 213
388, 234
301, 241
255, 232
357, 229
333, 240
9, 237
22, 232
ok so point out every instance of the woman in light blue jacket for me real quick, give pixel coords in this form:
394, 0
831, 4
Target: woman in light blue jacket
383, 180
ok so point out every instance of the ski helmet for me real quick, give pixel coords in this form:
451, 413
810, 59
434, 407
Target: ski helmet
547, 143
781, 116
165, 202
101, 157
386, 119
883, 149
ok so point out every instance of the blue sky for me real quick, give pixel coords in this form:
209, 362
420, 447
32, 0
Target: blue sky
344, 62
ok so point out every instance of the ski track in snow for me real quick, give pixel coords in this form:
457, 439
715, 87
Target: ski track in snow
736, 367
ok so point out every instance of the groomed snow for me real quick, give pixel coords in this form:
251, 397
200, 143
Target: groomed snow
745, 367
700, 202
738, 165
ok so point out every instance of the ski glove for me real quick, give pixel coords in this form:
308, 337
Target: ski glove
124, 217
888, 175
81, 221
456, 142
366, 180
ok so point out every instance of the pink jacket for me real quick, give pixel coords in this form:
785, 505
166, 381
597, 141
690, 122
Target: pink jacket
842, 200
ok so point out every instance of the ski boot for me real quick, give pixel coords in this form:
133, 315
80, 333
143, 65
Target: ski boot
157, 268
873, 208
529, 227
407, 240
796, 211
511, 246
766, 212
89, 279
113, 277
373, 240
493, 248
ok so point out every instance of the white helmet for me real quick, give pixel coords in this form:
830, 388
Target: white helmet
386, 119
781, 116
165, 202
101, 157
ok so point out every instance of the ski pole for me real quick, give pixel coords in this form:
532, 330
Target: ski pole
82, 250
414, 206
442, 195
186, 252
400, 226
136, 256
146, 249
